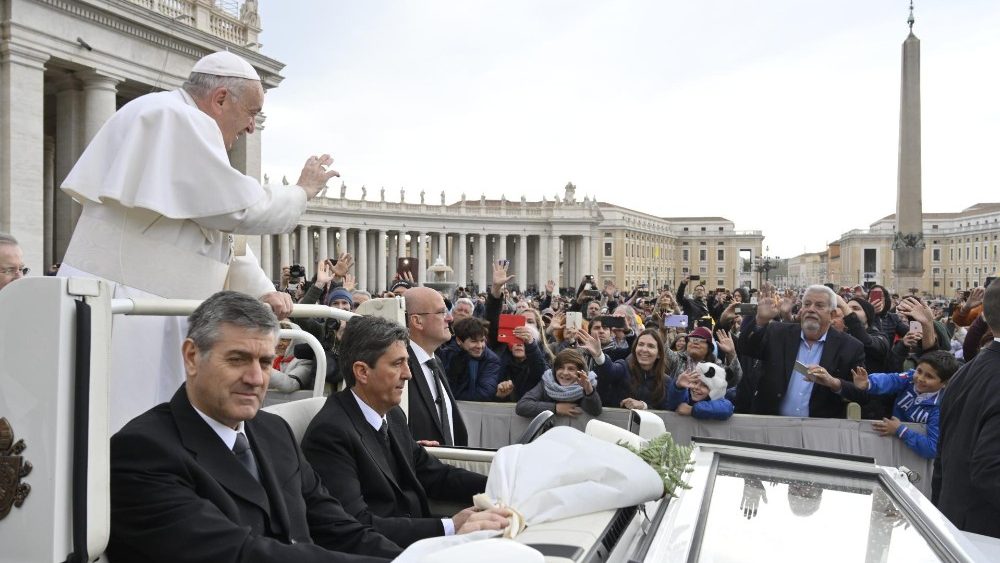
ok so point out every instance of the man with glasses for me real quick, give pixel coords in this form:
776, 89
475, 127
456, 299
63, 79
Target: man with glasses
433, 416
11, 260
161, 203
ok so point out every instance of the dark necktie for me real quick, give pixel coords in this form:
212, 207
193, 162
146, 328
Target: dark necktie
383, 433
245, 456
442, 397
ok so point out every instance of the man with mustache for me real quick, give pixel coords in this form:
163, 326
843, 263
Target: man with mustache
781, 389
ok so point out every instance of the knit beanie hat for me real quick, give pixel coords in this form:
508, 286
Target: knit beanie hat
866, 307
340, 293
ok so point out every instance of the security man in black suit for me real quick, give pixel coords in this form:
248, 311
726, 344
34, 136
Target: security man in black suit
208, 478
966, 481
360, 445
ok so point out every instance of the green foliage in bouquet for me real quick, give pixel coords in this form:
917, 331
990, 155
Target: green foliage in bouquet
670, 461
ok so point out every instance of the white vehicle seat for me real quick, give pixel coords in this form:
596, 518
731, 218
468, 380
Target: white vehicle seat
298, 414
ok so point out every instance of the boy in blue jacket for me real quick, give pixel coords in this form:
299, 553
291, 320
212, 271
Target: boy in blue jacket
700, 393
918, 396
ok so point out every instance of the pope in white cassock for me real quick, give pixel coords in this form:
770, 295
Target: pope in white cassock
161, 204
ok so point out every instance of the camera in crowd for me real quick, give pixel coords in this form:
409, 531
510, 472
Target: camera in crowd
296, 272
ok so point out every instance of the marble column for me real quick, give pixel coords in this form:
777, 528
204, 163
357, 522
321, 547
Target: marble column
501, 248
305, 244
69, 146
461, 264
390, 268
342, 245
22, 115
363, 261
284, 251
267, 255
585, 254
324, 249
422, 258
380, 263
401, 243
436, 247
541, 271
481, 279
554, 260
522, 262
48, 193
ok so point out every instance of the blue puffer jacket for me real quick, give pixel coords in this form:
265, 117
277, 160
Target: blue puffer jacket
911, 407
719, 409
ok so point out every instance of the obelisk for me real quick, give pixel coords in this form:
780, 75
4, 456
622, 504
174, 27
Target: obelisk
908, 244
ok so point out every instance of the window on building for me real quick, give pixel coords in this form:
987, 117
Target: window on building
721, 270
937, 283
976, 253
720, 255
951, 254
608, 249
935, 270
934, 226
720, 283
685, 229
702, 255
684, 270
703, 270
607, 267
607, 234
685, 255
936, 254
721, 229
966, 252
703, 229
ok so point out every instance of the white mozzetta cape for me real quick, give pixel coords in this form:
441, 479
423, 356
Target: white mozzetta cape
160, 200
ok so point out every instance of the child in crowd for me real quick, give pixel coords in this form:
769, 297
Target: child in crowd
567, 389
701, 393
918, 397
473, 369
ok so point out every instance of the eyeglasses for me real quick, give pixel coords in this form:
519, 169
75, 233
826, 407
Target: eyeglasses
11, 271
443, 313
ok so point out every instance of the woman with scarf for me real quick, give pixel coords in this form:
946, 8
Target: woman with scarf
567, 389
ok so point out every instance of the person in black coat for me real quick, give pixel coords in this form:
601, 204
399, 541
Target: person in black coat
208, 477
967, 466
360, 445
780, 390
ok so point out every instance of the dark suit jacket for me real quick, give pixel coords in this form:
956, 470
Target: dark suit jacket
777, 345
178, 494
967, 467
346, 452
423, 418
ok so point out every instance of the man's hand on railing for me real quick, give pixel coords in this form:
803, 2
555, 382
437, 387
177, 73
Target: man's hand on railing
280, 302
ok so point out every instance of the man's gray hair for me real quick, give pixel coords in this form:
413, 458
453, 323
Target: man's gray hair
6, 238
366, 339
200, 84
229, 308
818, 288
465, 300
361, 292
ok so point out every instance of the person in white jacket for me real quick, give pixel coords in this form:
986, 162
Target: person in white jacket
161, 205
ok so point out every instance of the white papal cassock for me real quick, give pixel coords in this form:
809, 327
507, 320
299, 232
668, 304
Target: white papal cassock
160, 205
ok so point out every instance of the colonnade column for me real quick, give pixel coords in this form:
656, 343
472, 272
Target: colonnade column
522, 262
554, 260
342, 245
304, 244
501, 252
461, 264
401, 247
541, 274
436, 245
22, 113
380, 262
363, 261
585, 252
284, 250
481, 280
324, 238
99, 104
422, 258
393, 256
48, 191
68, 149
267, 255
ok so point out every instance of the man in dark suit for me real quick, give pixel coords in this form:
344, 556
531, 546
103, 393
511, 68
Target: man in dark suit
360, 445
781, 389
967, 468
433, 415
207, 478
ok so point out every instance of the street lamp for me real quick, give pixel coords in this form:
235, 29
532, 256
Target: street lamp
765, 264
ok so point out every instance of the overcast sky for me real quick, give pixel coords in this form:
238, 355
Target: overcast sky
781, 115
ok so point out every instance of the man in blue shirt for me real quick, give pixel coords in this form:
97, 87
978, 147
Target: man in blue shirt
783, 390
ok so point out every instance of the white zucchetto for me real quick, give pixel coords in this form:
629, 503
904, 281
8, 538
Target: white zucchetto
225, 63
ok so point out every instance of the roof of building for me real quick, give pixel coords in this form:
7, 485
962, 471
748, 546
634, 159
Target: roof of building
971, 210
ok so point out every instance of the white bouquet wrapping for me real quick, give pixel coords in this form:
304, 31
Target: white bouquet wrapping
564, 473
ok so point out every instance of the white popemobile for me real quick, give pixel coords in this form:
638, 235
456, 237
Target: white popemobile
739, 501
